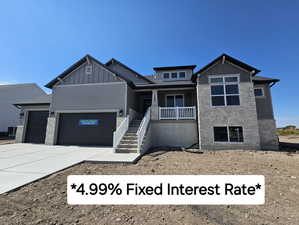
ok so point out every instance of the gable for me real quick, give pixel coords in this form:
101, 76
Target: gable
127, 72
98, 74
220, 68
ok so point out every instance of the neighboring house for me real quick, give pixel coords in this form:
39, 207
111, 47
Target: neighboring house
10, 94
224, 105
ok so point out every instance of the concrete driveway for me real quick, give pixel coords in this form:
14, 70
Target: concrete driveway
21, 164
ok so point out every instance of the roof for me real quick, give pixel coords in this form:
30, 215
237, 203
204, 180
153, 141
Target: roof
76, 65
232, 60
166, 85
111, 61
175, 67
260, 79
41, 100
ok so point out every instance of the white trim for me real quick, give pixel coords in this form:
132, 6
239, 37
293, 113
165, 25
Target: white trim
228, 134
174, 101
263, 92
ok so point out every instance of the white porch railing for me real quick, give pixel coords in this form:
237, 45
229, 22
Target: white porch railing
177, 113
143, 127
120, 131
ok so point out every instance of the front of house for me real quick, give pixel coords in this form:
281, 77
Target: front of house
224, 105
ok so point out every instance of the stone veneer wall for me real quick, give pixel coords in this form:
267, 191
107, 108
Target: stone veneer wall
268, 137
244, 115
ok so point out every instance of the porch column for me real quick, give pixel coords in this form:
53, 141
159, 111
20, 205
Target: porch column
155, 106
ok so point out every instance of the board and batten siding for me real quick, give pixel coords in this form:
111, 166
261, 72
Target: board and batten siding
99, 75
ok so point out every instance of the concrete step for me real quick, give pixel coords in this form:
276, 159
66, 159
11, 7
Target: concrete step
129, 138
126, 150
127, 146
128, 141
130, 133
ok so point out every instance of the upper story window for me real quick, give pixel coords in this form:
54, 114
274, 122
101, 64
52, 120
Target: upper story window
166, 76
174, 75
259, 92
225, 90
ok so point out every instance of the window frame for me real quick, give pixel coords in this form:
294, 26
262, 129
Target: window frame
228, 135
263, 92
224, 87
183, 96
178, 75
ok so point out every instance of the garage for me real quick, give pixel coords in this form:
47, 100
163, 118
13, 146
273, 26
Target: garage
36, 127
86, 129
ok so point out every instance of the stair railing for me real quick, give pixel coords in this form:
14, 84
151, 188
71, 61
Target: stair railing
143, 128
120, 131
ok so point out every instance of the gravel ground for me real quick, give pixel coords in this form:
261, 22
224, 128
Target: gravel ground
6, 141
44, 202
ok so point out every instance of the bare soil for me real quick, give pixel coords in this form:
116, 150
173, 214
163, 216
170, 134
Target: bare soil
5, 141
289, 139
44, 202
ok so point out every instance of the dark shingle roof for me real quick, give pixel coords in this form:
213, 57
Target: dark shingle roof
260, 79
175, 67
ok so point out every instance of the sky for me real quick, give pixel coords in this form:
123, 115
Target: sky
40, 39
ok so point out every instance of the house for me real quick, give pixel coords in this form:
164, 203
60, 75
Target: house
10, 94
223, 105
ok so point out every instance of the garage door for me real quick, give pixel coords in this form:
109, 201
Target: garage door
86, 129
36, 127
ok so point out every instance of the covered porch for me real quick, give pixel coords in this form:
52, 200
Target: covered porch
168, 104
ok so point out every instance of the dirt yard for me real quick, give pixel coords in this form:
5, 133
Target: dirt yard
289, 139
44, 202
6, 141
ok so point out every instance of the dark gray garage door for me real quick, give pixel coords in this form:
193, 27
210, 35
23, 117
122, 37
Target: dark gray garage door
36, 127
86, 129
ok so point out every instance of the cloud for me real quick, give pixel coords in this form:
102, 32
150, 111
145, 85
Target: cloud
284, 121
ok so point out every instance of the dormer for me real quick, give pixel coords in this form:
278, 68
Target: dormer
174, 73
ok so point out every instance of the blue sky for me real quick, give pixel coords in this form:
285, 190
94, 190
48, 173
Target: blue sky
40, 39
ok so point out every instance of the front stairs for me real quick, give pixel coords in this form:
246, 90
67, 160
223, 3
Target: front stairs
129, 142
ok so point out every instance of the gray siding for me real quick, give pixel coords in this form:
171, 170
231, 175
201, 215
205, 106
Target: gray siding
11, 94
90, 97
129, 75
222, 69
264, 104
99, 75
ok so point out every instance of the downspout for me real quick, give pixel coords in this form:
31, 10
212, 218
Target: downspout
198, 113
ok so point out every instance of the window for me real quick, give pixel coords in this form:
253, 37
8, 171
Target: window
228, 134
174, 75
178, 75
220, 134
182, 74
259, 92
174, 100
225, 91
166, 75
